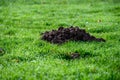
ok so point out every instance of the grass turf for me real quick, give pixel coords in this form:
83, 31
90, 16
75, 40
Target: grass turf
27, 57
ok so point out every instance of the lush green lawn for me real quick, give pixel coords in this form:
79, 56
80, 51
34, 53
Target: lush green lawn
27, 57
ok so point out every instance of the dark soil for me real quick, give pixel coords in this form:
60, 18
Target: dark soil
65, 34
70, 56
75, 55
1, 51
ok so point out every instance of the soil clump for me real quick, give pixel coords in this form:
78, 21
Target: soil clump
65, 34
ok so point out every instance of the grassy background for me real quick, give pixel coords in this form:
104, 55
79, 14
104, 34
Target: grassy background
27, 57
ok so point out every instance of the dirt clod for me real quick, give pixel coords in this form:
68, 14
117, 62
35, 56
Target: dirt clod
74, 55
70, 56
65, 34
1, 51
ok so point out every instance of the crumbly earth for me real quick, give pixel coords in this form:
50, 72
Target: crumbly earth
65, 34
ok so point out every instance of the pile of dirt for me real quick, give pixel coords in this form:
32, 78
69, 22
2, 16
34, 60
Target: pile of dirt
72, 33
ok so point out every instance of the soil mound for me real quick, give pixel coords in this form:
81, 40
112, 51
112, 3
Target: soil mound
72, 33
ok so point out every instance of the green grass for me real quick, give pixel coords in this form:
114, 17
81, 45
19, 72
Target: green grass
27, 57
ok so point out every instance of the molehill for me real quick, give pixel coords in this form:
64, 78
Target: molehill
65, 34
